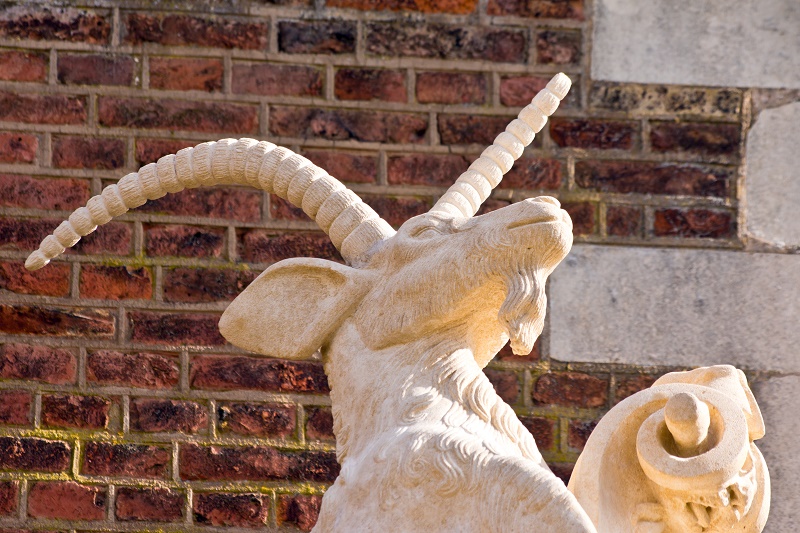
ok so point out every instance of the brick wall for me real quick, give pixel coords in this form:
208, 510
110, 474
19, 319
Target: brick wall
121, 406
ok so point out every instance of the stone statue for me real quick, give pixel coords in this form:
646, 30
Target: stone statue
404, 329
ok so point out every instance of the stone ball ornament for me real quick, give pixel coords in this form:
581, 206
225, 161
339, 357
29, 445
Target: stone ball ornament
405, 328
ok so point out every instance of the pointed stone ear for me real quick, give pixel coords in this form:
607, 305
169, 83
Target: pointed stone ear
292, 308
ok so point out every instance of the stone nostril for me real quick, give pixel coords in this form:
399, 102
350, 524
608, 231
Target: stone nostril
549, 200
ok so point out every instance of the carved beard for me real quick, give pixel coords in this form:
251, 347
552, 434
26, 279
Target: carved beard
523, 309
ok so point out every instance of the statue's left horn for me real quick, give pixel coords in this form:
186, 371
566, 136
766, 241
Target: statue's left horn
475, 185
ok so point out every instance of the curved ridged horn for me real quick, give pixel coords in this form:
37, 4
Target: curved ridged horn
474, 186
352, 225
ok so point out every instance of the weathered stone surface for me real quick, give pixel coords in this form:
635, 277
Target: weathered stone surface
676, 307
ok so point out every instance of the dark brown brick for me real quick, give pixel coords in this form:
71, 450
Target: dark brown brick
471, 129
257, 420
237, 510
426, 169
397, 209
185, 241
457, 7
184, 30
175, 329
66, 500
277, 80
348, 124
9, 497
317, 37
555, 47
243, 205
16, 65
162, 415
550, 9
145, 370
36, 455
24, 234
658, 99
151, 150
582, 215
47, 193
320, 423
530, 173
709, 139
95, 69
451, 88
116, 283
37, 363
18, 147
262, 246
630, 385
579, 431
542, 430
571, 389
222, 372
56, 24
186, 74
15, 409
563, 471
152, 505
280, 209
113, 238
88, 152
24, 319
622, 221
299, 510
51, 281
651, 178
702, 223
125, 460
602, 134
344, 166
506, 354
440, 41
205, 284
206, 117
68, 411
370, 84
505, 383
43, 109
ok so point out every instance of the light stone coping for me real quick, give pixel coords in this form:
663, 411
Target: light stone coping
736, 43
772, 183
667, 306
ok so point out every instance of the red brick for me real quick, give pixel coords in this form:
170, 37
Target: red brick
397, 209
542, 430
370, 84
457, 7
602, 134
205, 284
280, 209
260, 246
66, 500
144, 370
346, 167
277, 80
42, 109
570, 389
23, 319
184, 30
254, 463
628, 386
51, 281
237, 510
125, 460
555, 47
48, 193
152, 505
88, 152
300, 510
702, 223
206, 117
18, 148
36, 455
9, 497
709, 139
451, 88
518, 91
38, 363
56, 24
426, 169
622, 221
160, 415
348, 124
15, 409
186, 74
506, 354
257, 420
579, 431
582, 215
175, 329
505, 383
24, 234
243, 205
550, 9
95, 69
317, 37
115, 283
151, 150
113, 238
651, 178
221, 372
528, 173
441, 41
471, 129
185, 241
68, 411
320, 423
16, 65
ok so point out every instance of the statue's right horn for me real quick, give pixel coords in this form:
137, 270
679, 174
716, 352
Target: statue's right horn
475, 185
